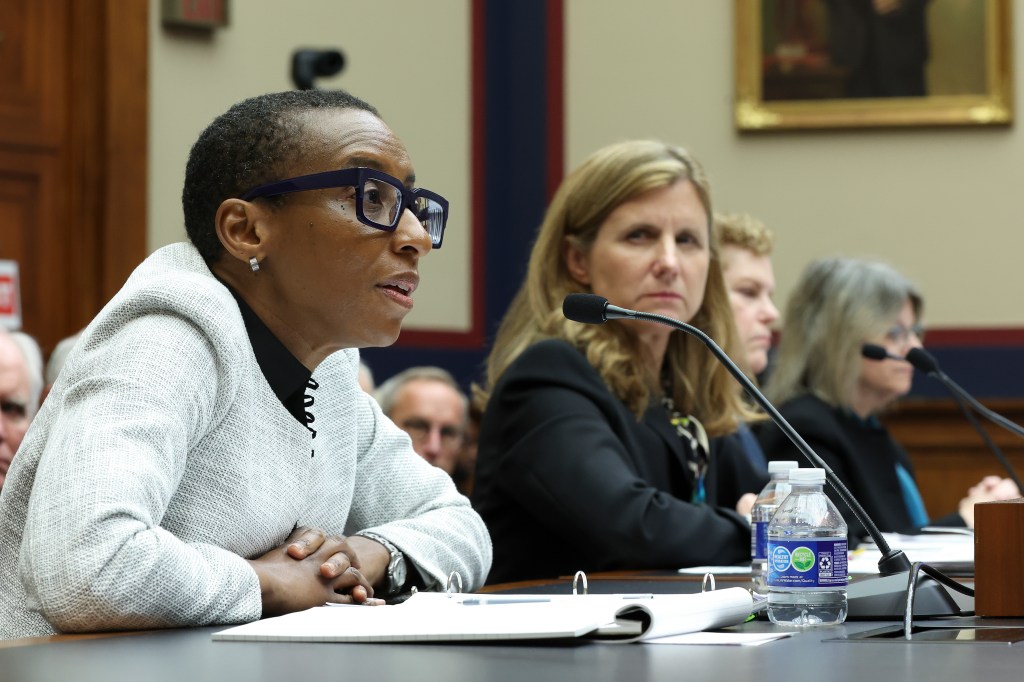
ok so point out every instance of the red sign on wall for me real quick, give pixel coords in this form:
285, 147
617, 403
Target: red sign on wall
194, 13
10, 295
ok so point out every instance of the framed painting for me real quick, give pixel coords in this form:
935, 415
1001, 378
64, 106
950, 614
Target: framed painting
803, 64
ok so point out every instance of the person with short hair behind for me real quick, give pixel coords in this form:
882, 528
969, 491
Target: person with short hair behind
427, 403
833, 395
745, 245
746, 249
21, 382
598, 446
207, 455
55, 363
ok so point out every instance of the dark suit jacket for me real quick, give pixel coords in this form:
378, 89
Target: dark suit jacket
567, 479
864, 456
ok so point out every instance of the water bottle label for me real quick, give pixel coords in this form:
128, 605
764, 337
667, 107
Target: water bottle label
759, 546
807, 563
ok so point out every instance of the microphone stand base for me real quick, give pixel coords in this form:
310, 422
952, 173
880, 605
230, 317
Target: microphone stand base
884, 597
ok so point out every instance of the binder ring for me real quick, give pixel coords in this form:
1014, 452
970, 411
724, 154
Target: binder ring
454, 576
580, 575
708, 578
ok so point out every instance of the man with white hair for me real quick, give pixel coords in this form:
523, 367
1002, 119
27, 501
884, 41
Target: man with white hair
21, 382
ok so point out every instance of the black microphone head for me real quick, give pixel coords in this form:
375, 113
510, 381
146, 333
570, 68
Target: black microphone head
923, 360
874, 352
585, 308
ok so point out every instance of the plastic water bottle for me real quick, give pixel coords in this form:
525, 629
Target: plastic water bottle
764, 508
807, 571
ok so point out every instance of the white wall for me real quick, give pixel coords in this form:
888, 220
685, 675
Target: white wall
410, 59
943, 206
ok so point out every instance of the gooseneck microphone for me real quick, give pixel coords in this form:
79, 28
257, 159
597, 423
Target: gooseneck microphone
924, 361
875, 352
885, 596
594, 309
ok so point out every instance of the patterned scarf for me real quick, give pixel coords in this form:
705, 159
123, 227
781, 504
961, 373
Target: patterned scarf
698, 455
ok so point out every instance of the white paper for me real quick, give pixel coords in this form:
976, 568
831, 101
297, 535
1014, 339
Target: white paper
929, 548
673, 614
715, 570
440, 617
722, 638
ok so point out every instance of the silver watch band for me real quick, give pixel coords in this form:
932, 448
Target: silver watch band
397, 567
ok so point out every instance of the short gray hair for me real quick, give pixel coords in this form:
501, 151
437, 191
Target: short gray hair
836, 306
33, 367
387, 393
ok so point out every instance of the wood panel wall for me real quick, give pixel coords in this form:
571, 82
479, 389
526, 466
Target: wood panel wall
948, 455
73, 139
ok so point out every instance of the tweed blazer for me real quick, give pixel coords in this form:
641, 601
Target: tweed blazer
162, 460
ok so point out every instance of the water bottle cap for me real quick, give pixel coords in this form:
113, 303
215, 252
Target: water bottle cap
781, 467
806, 476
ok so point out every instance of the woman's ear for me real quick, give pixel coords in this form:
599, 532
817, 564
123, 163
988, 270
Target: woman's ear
238, 228
577, 261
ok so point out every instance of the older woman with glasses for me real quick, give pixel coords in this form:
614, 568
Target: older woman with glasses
832, 394
206, 455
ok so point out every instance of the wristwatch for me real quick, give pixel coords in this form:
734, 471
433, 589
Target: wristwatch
397, 571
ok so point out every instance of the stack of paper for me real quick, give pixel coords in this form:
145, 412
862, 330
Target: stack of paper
932, 548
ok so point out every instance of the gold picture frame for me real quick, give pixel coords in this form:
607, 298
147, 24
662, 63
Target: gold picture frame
802, 82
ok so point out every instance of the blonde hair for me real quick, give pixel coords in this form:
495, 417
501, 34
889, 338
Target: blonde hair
745, 232
608, 178
836, 306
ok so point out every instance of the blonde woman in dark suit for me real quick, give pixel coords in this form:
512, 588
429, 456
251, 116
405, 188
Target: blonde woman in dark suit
597, 447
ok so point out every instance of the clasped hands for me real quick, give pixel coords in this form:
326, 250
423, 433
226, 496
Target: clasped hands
313, 568
989, 489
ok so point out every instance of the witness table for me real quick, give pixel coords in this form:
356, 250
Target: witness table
821, 654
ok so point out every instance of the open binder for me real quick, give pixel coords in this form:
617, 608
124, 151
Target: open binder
440, 617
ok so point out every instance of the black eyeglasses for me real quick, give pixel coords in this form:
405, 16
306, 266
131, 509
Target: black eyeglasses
380, 198
419, 431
